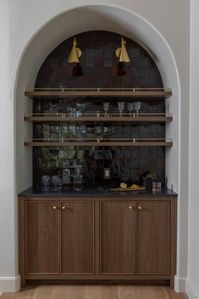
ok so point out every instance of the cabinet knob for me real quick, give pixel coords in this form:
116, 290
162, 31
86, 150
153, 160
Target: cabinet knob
63, 208
130, 207
139, 208
54, 208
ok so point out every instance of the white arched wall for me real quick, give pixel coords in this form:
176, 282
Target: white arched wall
95, 18
126, 22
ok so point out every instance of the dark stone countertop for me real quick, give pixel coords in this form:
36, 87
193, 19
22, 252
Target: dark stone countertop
92, 192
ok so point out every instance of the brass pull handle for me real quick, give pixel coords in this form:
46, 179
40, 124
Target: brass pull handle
130, 207
63, 208
139, 208
54, 208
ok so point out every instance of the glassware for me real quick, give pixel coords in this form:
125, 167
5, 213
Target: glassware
121, 107
78, 179
66, 179
106, 106
78, 183
137, 107
80, 109
99, 132
56, 181
45, 180
78, 169
130, 107
156, 186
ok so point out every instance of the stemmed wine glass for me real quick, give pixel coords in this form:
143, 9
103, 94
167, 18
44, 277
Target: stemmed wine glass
106, 106
130, 107
121, 107
137, 107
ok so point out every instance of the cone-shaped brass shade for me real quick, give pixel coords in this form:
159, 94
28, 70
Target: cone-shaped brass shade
75, 53
121, 53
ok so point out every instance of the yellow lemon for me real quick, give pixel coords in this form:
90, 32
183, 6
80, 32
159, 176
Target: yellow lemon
123, 185
135, 187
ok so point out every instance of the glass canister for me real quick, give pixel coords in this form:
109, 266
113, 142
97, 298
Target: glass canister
156, 186
78, 182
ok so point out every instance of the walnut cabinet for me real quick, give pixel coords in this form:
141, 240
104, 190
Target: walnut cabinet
97, 239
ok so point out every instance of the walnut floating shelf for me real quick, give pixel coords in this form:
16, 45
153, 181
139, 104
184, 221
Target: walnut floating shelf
63, 93
98, 117
149, 142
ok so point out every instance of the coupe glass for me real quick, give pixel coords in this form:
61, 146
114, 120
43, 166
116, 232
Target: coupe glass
130, 107
137, 107
121, 107
106, 106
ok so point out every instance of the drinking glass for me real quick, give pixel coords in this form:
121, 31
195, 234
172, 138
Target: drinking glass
130, 107
78, 179
78, 169
137, 107
121, 107
106, 106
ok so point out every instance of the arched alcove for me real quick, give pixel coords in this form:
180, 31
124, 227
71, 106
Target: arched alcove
79, 20
99, 65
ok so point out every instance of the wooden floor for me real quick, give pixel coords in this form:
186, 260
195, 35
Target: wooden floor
95, 292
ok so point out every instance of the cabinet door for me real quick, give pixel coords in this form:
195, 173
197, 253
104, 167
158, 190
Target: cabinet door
77, 237
153, 237
41, 237
116, 237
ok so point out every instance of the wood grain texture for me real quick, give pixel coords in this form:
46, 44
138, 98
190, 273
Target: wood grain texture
30, 142
117, 237
101, 93
98, 240
153, 238
97, 292
77, 237
41, 237
147, 118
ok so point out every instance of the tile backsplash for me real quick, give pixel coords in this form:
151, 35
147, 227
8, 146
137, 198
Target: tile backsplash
99, 65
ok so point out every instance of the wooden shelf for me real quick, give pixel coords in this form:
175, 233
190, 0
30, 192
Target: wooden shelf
63, 93
114, 117
149, 142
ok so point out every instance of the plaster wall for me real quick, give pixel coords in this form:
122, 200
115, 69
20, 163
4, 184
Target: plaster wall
8, 233
34, 33
193, 241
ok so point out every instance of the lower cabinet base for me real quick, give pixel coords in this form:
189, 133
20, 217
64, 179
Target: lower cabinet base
99, 240
64, 279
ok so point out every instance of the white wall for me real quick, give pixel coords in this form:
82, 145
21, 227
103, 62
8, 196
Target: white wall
32, 38
8, 269
193, 250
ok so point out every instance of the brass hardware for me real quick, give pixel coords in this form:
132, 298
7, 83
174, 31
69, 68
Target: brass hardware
63, 208
139, 208
75, 53
121, 52
54, 208
130, 207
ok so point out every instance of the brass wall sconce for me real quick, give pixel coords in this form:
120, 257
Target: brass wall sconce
123, 56
121, 53
73, 58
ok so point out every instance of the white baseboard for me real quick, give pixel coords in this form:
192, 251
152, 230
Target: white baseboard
190, 292
10, 284
180, 284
